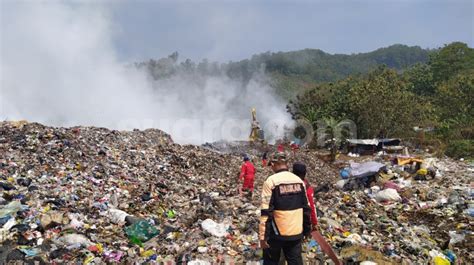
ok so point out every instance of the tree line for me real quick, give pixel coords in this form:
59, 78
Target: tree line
435, 97
386, 92
312, 65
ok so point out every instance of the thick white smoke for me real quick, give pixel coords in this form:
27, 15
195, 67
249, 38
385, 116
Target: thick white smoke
59, 67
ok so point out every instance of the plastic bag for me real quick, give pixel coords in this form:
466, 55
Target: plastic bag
10, 209
142, 231
470, 211
455, 237
340, 184
213, 228
75, 239
113, 256
391, 185
439, 260
5, 230
388, 195
116, 216
30, 252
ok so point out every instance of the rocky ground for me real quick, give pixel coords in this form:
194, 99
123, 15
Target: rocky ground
79, 195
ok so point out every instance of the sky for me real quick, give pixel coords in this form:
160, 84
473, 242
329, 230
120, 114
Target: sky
235, 30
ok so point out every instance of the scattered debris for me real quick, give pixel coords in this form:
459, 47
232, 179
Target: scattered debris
93, 195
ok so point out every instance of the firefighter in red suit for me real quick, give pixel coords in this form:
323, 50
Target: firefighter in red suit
247, 174
299, 169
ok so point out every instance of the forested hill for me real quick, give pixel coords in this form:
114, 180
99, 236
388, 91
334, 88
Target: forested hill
295, 71
319, 66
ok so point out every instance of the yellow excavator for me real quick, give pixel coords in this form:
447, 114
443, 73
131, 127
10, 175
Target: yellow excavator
256, 132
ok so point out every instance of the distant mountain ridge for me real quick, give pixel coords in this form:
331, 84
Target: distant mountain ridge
317, 65
294, 71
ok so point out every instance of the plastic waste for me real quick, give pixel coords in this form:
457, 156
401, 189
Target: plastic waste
391, 185
74, 240
374, 189
135, 240
450, 255
147, 253
70, 174
96, 248
422, 171
368, 262
10, 209
340, 184
75, 223
454, 198
455, 237
4, 220
116, 216
314, 246
10, 224
7, 186
4, 231
202, 249
213, 228
88, 259
470, 211
130, 220
388, 195
439, 260
142, 230
51, 218
355, 239
113, 256
365, 169
171, 214
30, 252
345, 174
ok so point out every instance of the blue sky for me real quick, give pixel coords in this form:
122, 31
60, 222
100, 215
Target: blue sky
234, 30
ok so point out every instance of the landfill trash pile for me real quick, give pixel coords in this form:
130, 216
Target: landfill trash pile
412, 211
321, 171
92, 195
88, 194
235, 147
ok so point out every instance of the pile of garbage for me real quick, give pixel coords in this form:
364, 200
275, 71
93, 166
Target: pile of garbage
86, 194
236, 147
95, 196
401, 209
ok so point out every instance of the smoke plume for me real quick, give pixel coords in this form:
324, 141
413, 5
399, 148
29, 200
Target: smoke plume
59, 67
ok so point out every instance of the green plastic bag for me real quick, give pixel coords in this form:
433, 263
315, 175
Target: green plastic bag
136, 241
141, 231
171, 214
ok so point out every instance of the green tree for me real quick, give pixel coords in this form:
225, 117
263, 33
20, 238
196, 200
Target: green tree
450, 60
420, 80
312, 106
455, 100
382, 103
